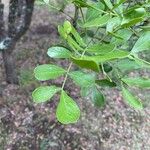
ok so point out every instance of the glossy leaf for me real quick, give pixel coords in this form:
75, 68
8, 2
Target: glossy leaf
140, 82
131, 100
47, 71
108, 57
85, 63
44, 93
58, 52
67, 110
82, 79
143, 43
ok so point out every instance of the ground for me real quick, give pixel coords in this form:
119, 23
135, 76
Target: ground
25, 125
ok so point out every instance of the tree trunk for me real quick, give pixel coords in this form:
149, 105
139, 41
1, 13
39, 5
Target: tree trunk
19, 19
9, 64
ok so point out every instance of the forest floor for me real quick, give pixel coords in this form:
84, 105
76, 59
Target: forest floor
25, 125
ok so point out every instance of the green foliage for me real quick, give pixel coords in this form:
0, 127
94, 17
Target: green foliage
97, 22
98, 98
139, 82
67, 110
48, 71
58, 52
104, 46
131, 100
44, 93
143, 43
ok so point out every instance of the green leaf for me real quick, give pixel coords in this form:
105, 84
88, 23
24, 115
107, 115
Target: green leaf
73, 44
98, 98
127, 65
82, 79
86, 91
142, 63
125, 34
133, 16
112, 24
119, 3
67, 110
143, 43
105, 82
101, 48
88, 64
44, 93
108, 4
67, 27
140, 82
131, 100
115, 35
62, 33
98, 22
47, 71
58, 52
77, 37
108, 57
92, 13
81, 3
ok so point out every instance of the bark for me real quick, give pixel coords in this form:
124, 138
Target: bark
10, 68
19, 19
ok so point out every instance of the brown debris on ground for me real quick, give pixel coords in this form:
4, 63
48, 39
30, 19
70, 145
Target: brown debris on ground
28, 126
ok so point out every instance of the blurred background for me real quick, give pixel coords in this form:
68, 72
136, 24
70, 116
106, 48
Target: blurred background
25, 125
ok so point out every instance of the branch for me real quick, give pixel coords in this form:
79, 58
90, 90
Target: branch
13, 8
26, 15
